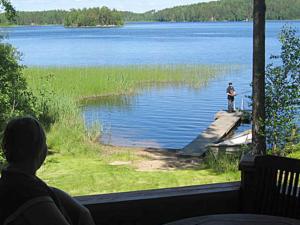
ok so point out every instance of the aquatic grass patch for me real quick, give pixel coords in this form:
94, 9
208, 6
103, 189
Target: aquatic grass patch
84, 82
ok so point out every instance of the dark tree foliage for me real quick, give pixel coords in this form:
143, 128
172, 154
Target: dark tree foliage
130, 16
85, 17
223, 10
15, 98
8, 8
229, 10
41, 18
36, 18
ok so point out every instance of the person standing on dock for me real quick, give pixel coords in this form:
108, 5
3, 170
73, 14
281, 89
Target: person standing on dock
230, 96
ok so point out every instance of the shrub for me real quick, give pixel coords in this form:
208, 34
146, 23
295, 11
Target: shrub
15, 99
283, 93
223, 162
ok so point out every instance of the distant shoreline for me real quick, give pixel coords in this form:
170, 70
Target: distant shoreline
132, 22
97, 26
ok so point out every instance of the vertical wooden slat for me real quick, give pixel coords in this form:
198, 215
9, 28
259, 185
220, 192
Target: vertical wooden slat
296, 183
279, 187
298, 202
294, 204
283, 192
289, 193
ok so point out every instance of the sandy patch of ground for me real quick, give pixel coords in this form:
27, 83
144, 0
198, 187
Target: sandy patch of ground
152, 159
157, 159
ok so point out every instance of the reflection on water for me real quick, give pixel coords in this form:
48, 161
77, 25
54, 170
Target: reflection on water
164, 116
112, 101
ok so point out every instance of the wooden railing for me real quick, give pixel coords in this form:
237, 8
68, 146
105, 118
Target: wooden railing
270, 185
155, 207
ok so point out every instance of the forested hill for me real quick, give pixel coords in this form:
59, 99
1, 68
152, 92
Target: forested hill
76, 18
41, 17
222, 10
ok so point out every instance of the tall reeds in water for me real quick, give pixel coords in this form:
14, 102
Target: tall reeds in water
98, 81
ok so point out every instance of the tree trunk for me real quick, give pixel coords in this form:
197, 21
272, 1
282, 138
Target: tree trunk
258, 90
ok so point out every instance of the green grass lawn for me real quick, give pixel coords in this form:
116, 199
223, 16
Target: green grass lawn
85, 175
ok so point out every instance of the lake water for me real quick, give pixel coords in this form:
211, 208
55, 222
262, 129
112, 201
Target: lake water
141, 43
167, 117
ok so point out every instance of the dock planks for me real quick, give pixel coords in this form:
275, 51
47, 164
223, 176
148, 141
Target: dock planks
223, 124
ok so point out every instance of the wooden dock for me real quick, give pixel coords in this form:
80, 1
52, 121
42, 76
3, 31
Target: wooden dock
223, 124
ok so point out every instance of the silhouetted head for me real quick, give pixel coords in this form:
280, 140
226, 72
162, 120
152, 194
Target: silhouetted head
230, 84
24, 141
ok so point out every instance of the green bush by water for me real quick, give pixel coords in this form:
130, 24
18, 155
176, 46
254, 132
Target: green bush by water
224, 162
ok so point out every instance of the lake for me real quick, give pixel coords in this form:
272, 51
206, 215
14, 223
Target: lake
168, 117
141, 43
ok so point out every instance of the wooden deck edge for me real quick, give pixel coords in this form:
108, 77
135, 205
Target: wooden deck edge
155, 207
158, 193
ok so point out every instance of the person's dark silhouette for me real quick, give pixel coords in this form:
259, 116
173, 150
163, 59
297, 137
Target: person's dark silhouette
24, 198
230, 96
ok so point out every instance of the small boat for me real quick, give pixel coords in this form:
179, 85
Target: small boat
240, 139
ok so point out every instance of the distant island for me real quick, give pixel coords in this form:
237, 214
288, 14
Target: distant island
93, 17
223, 10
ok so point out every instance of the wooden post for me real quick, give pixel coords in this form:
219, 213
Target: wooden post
248, 185
258, 90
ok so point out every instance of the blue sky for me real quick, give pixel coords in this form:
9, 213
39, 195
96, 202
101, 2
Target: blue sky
132, 5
